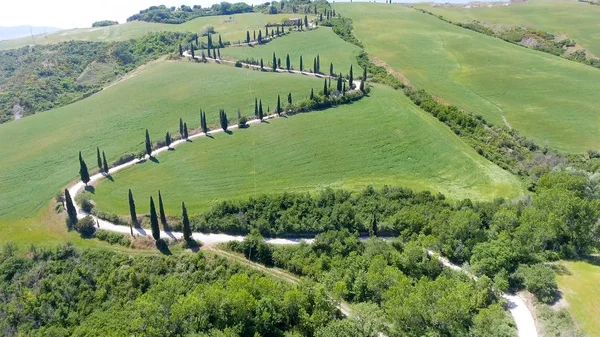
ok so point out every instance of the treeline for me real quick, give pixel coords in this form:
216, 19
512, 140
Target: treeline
44, 77
104, 23
396, 289
176, 15
68, 292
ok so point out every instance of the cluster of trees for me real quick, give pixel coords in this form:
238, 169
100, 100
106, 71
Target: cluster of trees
174, 15
403, 291
63, 291
49, 76
104, 23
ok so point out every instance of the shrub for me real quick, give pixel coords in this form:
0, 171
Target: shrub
86, 226
238, 64
539, 280
83, 199
113, 238
242, 122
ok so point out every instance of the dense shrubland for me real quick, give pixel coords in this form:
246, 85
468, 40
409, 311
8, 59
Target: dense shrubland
104, 23
43, 77
67, 292
164, 14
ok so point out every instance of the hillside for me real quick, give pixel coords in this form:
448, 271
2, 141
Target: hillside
546, 98
9, 33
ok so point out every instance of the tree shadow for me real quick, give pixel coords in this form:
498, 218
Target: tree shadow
154, 160
140, 230
229, 132
592, 259
171, 149
187, 140
208, 135
245, 126
109, 177
265, 121
90, 188
193, 245
163, 247
560, 269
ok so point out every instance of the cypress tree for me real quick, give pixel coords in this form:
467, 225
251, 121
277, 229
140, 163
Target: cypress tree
339, 83
325, 93
71, 211
220, 42
260, 37
203, 122
180, 50
99, 158
306, 21
362, 86
224, 121
267, 31
247, 36
209, 55
210, 44
277, 31
185, 131
315, 10
260, 110
278, 105
214, 53
331, 69
344, 88
219, 52
83, 171
104, 163
274, 63
180, 128
290, 98
148, 144
261, 64
132, 212
154, 221
161, 209
312, 94
254, 36
318, 64
301, 66
278, 63
365, 74
192, 51
187, 232
196, 38
351, 79
168, 139
287, 62
315, 65
255, 107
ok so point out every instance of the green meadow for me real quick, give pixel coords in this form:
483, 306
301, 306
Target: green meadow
322, 41
380, 140
577, 20
39, 153
231, 28
547, 98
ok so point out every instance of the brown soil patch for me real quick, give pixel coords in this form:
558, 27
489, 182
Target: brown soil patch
394, 72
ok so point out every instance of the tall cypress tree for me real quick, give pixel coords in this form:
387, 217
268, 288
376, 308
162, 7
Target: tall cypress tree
247, 36
279, 63
325, 93
278, 105
219, 53
203, 122
351, 79
259, 37
210, 44
132, 212
260, 110
318, 64
331, 69
339, 83
312, 93
301, 65
274, 62
161, 209
104, 163
185, 131
214, 53
261, 64
71, 211
306, 21
224, 121
255, 107
220, 42
254, 36
287, 62
83, 171
148, 144
209, 55
290, 98
192, 51
315, 65
365, 74
99, 158
154, 221
180, 50
196, 38
362, 86
180, 128
168, 140
187, 232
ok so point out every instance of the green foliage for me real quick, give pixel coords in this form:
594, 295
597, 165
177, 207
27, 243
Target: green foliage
343, 28
185, 13
154, 221
112, 237
104, 23
71, 211
83, 171
539, 280
86, 226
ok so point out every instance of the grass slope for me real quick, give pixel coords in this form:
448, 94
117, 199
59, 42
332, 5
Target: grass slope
231, 27
580, 288
39, 153
323, 42
383, 139
550, 99
575, 19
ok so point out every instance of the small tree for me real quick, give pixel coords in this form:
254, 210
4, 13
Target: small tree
99, 158
220, 42
315, 65
351, 78
306, 21
325, 92
301, 65
331, 69
148, 144
83, 171
209, 44
187, 232
344, 87
259, 37
104, 163
180, 50
219, 53
260, 110
203, 122
132, 212
274, 63
192, 51
287, 62
154, 221
223, 118
278, 105
196, 38
312, 94
290, 98
161, 209
318, 64
168, 140
71, 211
364, 74
255, 107
180, 128
261, 65
362, 86
248, 37
185, 131
254, 38
339, 83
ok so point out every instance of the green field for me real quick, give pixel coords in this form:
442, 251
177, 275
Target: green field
39, 153
322, 41
231, 28
580, 288
577, 20
382, 139
550, 99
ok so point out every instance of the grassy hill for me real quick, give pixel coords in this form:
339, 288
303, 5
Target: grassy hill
382, 139
547, 98
39, 153
231, 27
322, 41
572, 18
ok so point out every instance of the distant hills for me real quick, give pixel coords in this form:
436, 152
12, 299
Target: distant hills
9, 33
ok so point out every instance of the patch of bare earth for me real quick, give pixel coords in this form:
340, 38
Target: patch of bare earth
529, 42
394, 72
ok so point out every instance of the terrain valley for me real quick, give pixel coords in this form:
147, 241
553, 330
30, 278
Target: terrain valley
303, 168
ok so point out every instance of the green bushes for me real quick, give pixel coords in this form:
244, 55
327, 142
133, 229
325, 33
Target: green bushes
86, 226
539, 280
343, 28
104, 23
112, 238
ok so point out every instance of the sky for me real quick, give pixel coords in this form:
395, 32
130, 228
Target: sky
82, 13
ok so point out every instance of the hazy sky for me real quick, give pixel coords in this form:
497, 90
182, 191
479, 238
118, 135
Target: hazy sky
82, 13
